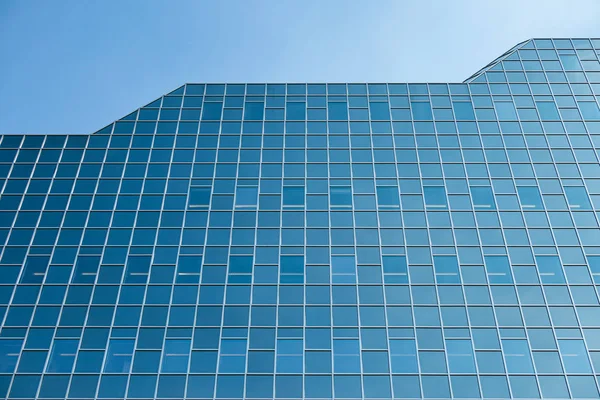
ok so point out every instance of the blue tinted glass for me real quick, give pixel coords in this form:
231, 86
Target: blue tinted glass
338, 110
248, 241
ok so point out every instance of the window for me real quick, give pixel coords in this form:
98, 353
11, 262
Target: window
463, 111
379, 110
498, 269
119, 355
293, 196
343, 269
35, 269
550, 269
483, 197
176, 355
388, 197
289, 356
338, 111
506, 111
529, 197
211, 111
577, 198
594, 264
435, 197
421, 111
254, 111
395, 269
460, 356
341, 196
246, 197
517, 356
446, 269
137, 270
292, 269
62, 355
199, 197
9, 354
295, 110
346, 356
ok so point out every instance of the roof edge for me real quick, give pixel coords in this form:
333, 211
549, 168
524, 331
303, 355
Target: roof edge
497, 60
109, 126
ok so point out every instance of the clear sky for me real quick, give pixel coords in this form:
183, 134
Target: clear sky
73, 66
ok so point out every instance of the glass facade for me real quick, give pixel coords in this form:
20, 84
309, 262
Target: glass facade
317, 241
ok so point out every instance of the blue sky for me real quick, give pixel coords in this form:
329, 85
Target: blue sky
73, 66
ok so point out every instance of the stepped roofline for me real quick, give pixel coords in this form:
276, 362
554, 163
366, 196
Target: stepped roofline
477, 77
494, 62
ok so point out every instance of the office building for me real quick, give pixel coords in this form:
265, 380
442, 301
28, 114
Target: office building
316, 241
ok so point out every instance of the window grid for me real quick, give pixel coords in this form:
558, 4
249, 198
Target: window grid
339, 170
